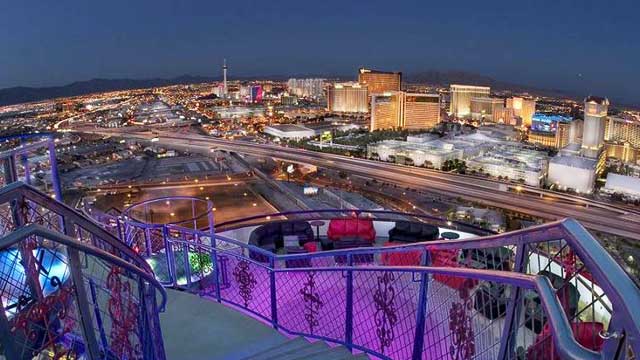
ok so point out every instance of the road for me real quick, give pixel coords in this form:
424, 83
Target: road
548, 205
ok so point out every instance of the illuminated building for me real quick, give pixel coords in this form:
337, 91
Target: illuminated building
461, 96
256, 93
523, 108
555, 139
575, 131
348, 98
483, 108
379, 82
289, 131
562, 134
623, 131
623, 152
542, 138
289, 100
399, 109
306, 87
224, 74
572, 172
622, 184
421, 111
595, 113
386, 110
505, 115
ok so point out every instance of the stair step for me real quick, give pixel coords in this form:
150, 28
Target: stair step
301, 353
337, 353
291, 344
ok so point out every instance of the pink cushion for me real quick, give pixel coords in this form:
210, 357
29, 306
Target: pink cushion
361, 228
310, 247
401, 258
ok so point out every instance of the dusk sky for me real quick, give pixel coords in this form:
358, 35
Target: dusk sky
583, 46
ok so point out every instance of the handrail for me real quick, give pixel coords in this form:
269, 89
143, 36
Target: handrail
137, 222
23, 149
603, 267
563, 338
13, 190
624, 294
39, 230
356, 211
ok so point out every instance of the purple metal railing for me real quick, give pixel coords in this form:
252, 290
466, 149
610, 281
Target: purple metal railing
81, 293
476, 317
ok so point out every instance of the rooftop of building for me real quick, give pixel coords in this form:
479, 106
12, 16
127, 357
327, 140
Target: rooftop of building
623, 183
487, 99
351, 84
476, 87
289, 127
363, 70
573, 161
597, 99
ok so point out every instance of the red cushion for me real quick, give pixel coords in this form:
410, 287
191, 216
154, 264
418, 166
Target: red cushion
401, 258
310, 247
449, 258
586, 333
361, 228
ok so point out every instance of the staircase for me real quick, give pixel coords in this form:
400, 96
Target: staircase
300, 349
214, 331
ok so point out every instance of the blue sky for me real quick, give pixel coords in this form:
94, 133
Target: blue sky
583, 46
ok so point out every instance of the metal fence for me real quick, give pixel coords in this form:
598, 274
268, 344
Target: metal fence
70, 288
474, 298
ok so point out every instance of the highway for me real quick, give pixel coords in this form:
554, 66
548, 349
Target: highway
548, 205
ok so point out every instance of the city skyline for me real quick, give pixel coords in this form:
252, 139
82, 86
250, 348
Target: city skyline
103, 41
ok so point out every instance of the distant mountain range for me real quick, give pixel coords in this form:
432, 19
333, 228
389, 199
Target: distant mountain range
445, 78
21, 94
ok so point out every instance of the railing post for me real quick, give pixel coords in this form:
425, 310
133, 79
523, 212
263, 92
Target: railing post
119, 230
418, 339
214, 251
187, 263
348, 331
216, 266
274, 298
147, 241
55, 176
96, 311
10, 174
28, 260
171, 264
506, 345
86, 320
7, 338
24, 160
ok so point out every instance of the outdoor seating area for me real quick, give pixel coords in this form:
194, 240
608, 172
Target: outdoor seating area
353, 231
280, 236
412, 232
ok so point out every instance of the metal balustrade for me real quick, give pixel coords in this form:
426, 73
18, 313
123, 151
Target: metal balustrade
70, 288
28, 156
468, 298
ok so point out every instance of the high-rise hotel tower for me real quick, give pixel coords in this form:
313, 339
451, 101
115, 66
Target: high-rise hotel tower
398, 109
595, 115
461, 96
379, 82
347, 98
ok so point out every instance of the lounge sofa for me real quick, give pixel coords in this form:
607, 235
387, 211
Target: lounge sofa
351, 229
534, 315
412, 232
271, 236
498, 258
401, 257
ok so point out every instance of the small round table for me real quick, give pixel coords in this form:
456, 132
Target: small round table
449, 235
317, 224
